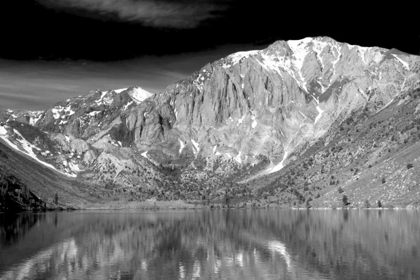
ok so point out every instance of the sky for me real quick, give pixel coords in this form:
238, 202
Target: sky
51, 50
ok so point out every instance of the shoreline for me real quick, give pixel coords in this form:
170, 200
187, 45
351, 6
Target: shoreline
181, 205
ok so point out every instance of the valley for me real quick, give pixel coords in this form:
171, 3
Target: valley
302, 123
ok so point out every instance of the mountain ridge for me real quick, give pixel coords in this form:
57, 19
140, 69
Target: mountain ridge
250, 112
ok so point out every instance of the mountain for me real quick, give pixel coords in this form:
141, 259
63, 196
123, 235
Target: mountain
254, 118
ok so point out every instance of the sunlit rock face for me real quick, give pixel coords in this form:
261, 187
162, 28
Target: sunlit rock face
275, 101
270, 104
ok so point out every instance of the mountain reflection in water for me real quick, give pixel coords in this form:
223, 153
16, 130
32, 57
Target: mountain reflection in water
235, 244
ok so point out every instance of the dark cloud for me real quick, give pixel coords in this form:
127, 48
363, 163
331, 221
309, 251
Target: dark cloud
156, 13
110, 30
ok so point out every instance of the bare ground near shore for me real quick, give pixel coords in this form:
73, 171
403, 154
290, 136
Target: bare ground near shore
147, 204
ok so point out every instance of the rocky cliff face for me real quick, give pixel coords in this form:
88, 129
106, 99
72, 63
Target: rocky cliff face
273, 102
248, 114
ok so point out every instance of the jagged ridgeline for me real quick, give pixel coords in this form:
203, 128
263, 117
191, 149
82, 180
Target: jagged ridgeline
301, 122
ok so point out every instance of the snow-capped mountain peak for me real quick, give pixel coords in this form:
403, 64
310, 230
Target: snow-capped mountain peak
236, 57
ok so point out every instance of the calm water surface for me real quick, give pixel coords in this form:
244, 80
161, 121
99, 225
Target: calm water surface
220, 244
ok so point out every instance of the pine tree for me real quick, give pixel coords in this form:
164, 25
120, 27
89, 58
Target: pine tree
345, 200
308, 205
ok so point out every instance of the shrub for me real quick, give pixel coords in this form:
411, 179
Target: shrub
308, 202
367, 204
340, 190
383, 181
345, 200
410, 165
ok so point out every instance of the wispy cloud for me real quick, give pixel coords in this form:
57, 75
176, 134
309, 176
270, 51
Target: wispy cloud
38, 85
157, 13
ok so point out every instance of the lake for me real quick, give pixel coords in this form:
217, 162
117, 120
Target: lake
211, 244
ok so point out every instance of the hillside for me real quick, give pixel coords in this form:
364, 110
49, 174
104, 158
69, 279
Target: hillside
371, 157
25, 185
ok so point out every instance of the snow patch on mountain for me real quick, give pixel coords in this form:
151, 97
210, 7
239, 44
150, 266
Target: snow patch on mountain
334, 63
254, 122
120, 90
300, 51
318, 47
274, 63
241, 120
34, 116
56, 113
3, 131
74, 167
94, 113
323, 88
378, 57
27, 149
278, 166
127, 105
405, 64
362, 53
61, 112
238, 158
320, 111
236, 57
181, 146
145, 155
299, 48
138, 94
99, 101
386, 105
196, 146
